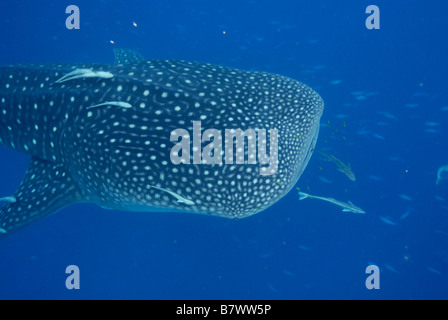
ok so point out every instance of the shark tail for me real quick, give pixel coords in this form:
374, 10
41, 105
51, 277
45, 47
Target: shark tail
46, 188
303, 195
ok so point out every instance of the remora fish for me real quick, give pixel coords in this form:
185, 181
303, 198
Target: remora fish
347, 207
101, 134
344, 168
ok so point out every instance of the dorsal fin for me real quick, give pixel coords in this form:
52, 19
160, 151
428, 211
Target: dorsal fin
126, 56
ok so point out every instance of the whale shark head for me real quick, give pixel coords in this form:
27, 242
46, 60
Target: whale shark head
157, 135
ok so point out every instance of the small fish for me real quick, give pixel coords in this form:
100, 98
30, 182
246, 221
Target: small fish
390, 268
405, 215
325, 180
376, 135
271, 287
347, 207
363, 131
305, 248
289, 273
405, 197
439, 173
432, 124
388, 115
387, 220
434, 270
344, 168
334, 82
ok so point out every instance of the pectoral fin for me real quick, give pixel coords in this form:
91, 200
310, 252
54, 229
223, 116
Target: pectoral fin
46, 188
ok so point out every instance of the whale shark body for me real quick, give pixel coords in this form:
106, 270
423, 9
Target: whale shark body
101, 134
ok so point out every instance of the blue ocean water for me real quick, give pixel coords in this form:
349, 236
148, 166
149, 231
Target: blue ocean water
386, 113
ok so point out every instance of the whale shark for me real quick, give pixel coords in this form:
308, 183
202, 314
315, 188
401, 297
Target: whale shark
98, 133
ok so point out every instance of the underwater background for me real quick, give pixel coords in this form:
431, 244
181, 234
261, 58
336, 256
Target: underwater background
386, 113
